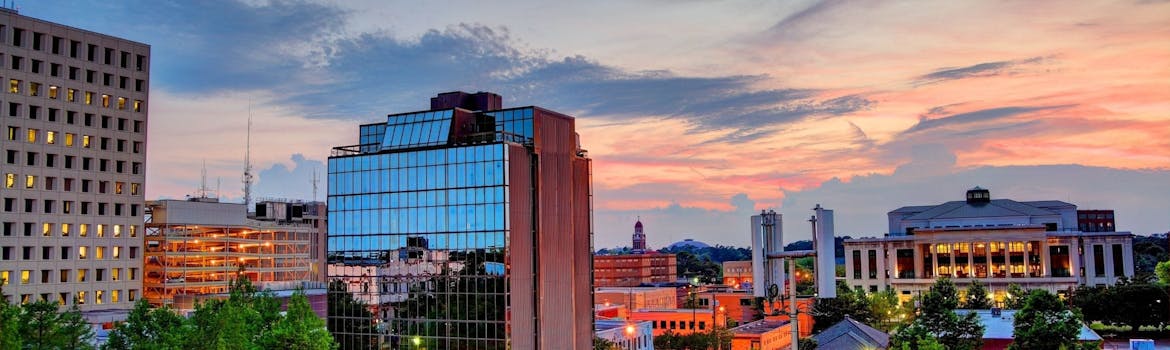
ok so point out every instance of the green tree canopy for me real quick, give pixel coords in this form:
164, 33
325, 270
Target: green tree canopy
977, 297
937, 320
44, 328
1044, 323
246, 320
10, 337
849, 302
1014, 299
1162, 270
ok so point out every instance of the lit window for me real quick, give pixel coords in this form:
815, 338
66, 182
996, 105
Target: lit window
30, 181
4, 278
117, 230
88, 97
133, 231
9, 180
25, 276
71, 95
65, 229
32, 135
34, 89
117, 253
46, 229
82, 253
80, 298
115, 275
121, 103
138, 105
114, 293
101, 230
85, 141
51, 137
13, 132
105, 100
97, 297
118, 187
53, 91
14, 86
69, 139
83, 230
99, 253
134, 188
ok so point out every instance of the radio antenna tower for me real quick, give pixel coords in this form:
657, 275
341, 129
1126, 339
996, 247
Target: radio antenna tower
203, 180
248, 161
314, 184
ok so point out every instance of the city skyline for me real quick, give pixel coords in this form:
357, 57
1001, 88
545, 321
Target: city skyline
710, 112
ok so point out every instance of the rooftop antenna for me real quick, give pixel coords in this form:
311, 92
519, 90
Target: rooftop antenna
248, 160
203, 180
314, 184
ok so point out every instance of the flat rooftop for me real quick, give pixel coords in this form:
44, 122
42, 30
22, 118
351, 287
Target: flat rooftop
758, 327
1001, 327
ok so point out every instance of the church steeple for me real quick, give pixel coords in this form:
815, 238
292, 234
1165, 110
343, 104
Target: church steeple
639, 237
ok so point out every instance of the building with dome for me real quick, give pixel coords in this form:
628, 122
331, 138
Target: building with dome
688, 244
641, 266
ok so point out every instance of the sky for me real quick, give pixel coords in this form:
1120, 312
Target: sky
696, 114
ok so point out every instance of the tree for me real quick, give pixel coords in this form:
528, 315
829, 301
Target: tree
45, 328
603, 344
74, 331
977, 296
915, 337
1045, 323
1014, 299
937, 319
10, 336
145, 328
1163, 272
299, 329
855, 304
886, 309
807, 344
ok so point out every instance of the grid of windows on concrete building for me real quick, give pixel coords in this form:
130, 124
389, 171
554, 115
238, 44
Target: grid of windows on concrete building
73, 167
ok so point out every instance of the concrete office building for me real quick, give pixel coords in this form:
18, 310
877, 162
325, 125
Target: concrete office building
502, 193
195, 248
1034, 244
74, 151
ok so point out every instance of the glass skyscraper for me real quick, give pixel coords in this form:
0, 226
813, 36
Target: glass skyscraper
466, 226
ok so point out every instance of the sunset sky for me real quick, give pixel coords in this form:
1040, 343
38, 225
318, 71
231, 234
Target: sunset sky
696, 113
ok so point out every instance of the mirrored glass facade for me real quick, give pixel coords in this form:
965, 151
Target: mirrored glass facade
421, 232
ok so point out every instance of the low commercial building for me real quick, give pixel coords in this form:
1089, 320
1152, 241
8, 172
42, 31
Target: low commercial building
1035, 244
738, 274
679, 321
636, 297
627, 335
632, 270
763, 335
